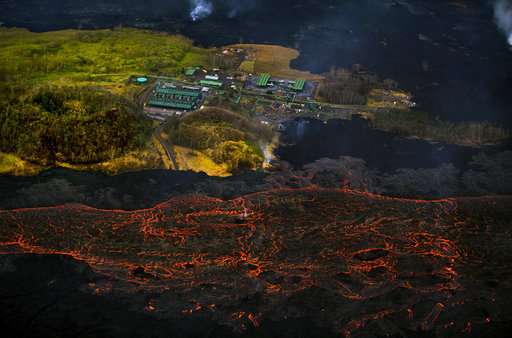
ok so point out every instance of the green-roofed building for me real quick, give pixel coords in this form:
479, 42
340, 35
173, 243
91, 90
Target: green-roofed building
190, 71
263, 80
171, 104
299, 85
211, 83
174, 98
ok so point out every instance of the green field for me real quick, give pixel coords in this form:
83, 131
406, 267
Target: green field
101, 57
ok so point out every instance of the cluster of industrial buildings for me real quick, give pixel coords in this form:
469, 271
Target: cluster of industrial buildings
168, 97
266, 81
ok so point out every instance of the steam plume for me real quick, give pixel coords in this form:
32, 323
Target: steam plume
200, 9
503, 15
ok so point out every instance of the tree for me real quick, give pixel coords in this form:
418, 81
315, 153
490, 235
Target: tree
237, 155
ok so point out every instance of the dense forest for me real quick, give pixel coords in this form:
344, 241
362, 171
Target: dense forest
69, 124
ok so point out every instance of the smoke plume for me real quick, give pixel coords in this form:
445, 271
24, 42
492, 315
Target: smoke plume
503, 15
200, 9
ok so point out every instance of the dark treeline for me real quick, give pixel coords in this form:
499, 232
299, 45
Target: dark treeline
68, 124
422, 125
342, 86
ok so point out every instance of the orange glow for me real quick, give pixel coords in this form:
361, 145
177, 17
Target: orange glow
275, 243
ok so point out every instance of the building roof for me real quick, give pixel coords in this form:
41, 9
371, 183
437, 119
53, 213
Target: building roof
174, 97
176, 91
191, 71
170, 104
263, 80
211, 83
299, 85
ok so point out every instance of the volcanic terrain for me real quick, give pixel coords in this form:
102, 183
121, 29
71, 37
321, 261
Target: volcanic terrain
280, 263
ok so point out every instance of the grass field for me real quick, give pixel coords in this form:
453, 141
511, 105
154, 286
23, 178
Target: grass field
274, 60
105, 58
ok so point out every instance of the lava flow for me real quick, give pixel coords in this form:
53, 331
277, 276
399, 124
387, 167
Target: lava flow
351, 263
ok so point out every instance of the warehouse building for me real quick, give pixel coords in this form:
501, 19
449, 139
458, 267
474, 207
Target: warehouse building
298, 86
263, 80
172, 97
211, 83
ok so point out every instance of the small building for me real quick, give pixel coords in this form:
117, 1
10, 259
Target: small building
141, 80
212, 77
263, 80
299, 85
191, 71
211, 83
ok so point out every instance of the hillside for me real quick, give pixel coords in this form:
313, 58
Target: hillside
228, 138
65, 98
104, 58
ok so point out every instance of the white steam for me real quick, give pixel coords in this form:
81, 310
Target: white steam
200, 9
503, 15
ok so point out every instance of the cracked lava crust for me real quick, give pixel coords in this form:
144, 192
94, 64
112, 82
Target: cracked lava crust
345, 263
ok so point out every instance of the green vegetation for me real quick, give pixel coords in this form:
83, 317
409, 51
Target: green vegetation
104, 57
390, 109
238, 155
70, 124
419, 124
65, 100
342, 86
139, 159
227, 137
13, 165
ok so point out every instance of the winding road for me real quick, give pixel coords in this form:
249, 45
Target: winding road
142, 97
168, 150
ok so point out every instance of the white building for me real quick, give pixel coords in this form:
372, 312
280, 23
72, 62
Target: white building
212, 77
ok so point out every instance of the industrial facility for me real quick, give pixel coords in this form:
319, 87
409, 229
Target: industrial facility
173, 97
265, 80
211, 83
